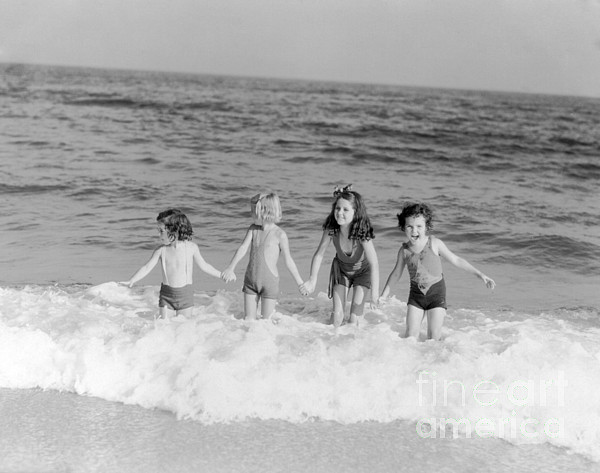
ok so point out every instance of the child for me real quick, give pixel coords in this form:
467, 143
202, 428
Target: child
355, 264
177, 256
421, 253
265, 240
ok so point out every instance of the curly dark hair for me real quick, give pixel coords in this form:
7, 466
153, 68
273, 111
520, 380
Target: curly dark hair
415, 209
176, 223
360, 228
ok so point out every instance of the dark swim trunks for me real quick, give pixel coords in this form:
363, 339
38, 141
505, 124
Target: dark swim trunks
434, 298
176, 298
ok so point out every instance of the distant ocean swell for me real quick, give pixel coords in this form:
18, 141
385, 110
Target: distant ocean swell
527, 379
131, 103
548, 251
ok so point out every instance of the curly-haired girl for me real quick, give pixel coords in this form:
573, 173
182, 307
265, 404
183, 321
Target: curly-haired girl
421, 254
177, 255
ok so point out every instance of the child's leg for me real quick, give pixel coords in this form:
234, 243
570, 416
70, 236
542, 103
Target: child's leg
358, 304
435, 320
185, 312
267, 307
165, 312
339, 304
414, 318
250, 306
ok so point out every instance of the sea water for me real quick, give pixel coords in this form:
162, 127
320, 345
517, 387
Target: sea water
89, 157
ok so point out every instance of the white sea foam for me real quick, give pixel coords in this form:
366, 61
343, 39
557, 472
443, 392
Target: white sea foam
525, 379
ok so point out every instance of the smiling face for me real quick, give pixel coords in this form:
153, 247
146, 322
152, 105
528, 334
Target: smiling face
415, 229
343, 212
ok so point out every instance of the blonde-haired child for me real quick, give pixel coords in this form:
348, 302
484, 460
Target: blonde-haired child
265, 241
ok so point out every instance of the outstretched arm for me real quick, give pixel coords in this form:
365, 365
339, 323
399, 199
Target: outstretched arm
144, 270
309, 286
394, 275
462, 263
203, 265
229, 271
289, 261
371, 256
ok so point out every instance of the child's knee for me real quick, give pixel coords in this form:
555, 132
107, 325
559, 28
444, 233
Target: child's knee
357, 309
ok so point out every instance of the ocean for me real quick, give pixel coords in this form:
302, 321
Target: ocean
90, 381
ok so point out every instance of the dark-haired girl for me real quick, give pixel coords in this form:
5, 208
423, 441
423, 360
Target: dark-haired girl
177, 254
421, 254
355, 264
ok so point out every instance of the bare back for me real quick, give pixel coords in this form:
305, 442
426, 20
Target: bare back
271, 248
177, 262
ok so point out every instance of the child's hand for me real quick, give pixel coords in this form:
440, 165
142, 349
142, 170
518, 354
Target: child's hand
307, 288
302, 290
489, 282
126, 283
228, 275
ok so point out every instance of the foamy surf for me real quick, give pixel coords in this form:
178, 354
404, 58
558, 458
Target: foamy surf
523, 378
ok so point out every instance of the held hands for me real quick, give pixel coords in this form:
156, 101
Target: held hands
307, 288
228, 275
301, 289
376, 303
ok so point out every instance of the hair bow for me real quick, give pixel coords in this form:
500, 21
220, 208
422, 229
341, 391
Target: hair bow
337, 190
256, 198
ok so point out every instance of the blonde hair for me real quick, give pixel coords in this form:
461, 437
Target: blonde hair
266, 208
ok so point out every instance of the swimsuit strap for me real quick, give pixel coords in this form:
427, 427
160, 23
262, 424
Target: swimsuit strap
262, 242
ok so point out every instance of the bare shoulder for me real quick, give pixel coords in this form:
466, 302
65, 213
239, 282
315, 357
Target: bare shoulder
367, 243
436, 244
193, 246
280, 233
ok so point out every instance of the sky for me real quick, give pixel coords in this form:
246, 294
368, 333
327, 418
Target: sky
538, 46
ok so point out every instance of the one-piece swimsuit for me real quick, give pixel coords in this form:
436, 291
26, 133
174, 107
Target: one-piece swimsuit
259, 279
427, 285
349, 270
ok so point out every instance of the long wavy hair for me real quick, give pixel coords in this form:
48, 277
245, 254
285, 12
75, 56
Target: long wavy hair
360, 228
